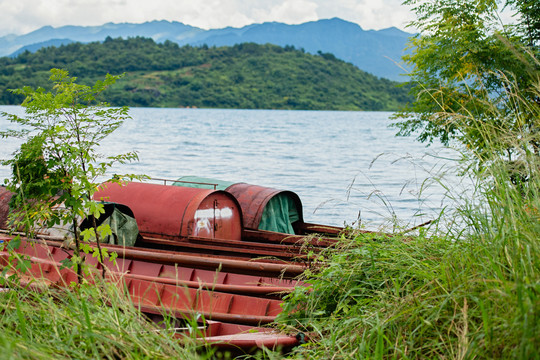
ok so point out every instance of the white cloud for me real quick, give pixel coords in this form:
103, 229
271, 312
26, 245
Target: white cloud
22, 16
369, 14
291, 12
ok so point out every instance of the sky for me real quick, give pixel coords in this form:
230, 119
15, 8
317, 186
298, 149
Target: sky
23, 16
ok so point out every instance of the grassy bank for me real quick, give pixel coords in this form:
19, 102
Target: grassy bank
473, 293
80, 324
473, 296
470, 292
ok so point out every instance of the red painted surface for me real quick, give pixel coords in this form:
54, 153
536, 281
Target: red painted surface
233, 318
180, 270
233, 248
253, 199
233, 277
177, 211
5, 197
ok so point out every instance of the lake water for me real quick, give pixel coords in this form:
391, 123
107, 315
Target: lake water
347, 167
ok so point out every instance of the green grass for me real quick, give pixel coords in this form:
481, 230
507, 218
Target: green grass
472, 296
470, 291
81, 324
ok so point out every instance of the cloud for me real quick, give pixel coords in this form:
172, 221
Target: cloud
290, 12
369, 14
23, 16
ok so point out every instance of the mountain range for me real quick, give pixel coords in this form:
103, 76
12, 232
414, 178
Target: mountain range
378, 52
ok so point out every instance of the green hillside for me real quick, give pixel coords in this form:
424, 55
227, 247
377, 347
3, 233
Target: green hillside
245, 76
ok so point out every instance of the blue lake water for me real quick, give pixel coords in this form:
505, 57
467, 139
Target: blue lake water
345, 166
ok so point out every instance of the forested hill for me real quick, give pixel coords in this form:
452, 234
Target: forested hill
245, 76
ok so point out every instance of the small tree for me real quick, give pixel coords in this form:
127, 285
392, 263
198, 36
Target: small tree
55, 171
473, 74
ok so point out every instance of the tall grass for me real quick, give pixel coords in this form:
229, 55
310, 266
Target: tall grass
89, 322
472, 292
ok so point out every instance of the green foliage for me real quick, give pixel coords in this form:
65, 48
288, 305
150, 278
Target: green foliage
473, 291
56, 169
90, 322
470, 292
471, 72
247, 76
30, 170
423, 298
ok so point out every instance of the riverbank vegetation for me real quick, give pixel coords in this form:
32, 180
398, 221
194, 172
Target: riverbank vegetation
471, 292
244, 76
89, 322
469, 286
55, 171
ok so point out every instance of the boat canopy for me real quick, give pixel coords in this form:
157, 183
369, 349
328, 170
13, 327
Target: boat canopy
203, 183
176, 212
263, 208
119, 217
124, 229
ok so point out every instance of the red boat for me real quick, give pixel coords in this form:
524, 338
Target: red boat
196, 251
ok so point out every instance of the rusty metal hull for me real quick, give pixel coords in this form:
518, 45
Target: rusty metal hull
254, 198
165, 213
177, 211
231, 248
5, 198
259, 267
223, 298
173, 274
195, 256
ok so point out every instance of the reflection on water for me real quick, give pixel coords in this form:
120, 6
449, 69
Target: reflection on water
343, 165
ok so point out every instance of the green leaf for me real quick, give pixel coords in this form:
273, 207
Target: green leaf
86, 248
14, 243
23, 265
66, 263
104, 230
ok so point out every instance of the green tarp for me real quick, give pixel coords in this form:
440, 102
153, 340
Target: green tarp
202, 183
124, 229
278, 215
123, 225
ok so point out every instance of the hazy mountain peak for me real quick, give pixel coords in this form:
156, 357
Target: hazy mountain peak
336, 20
369, 50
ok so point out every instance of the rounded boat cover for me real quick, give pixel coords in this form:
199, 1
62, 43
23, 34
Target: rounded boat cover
120, 218
203, 183
5, 198
174, 211
124, 229
263, 208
